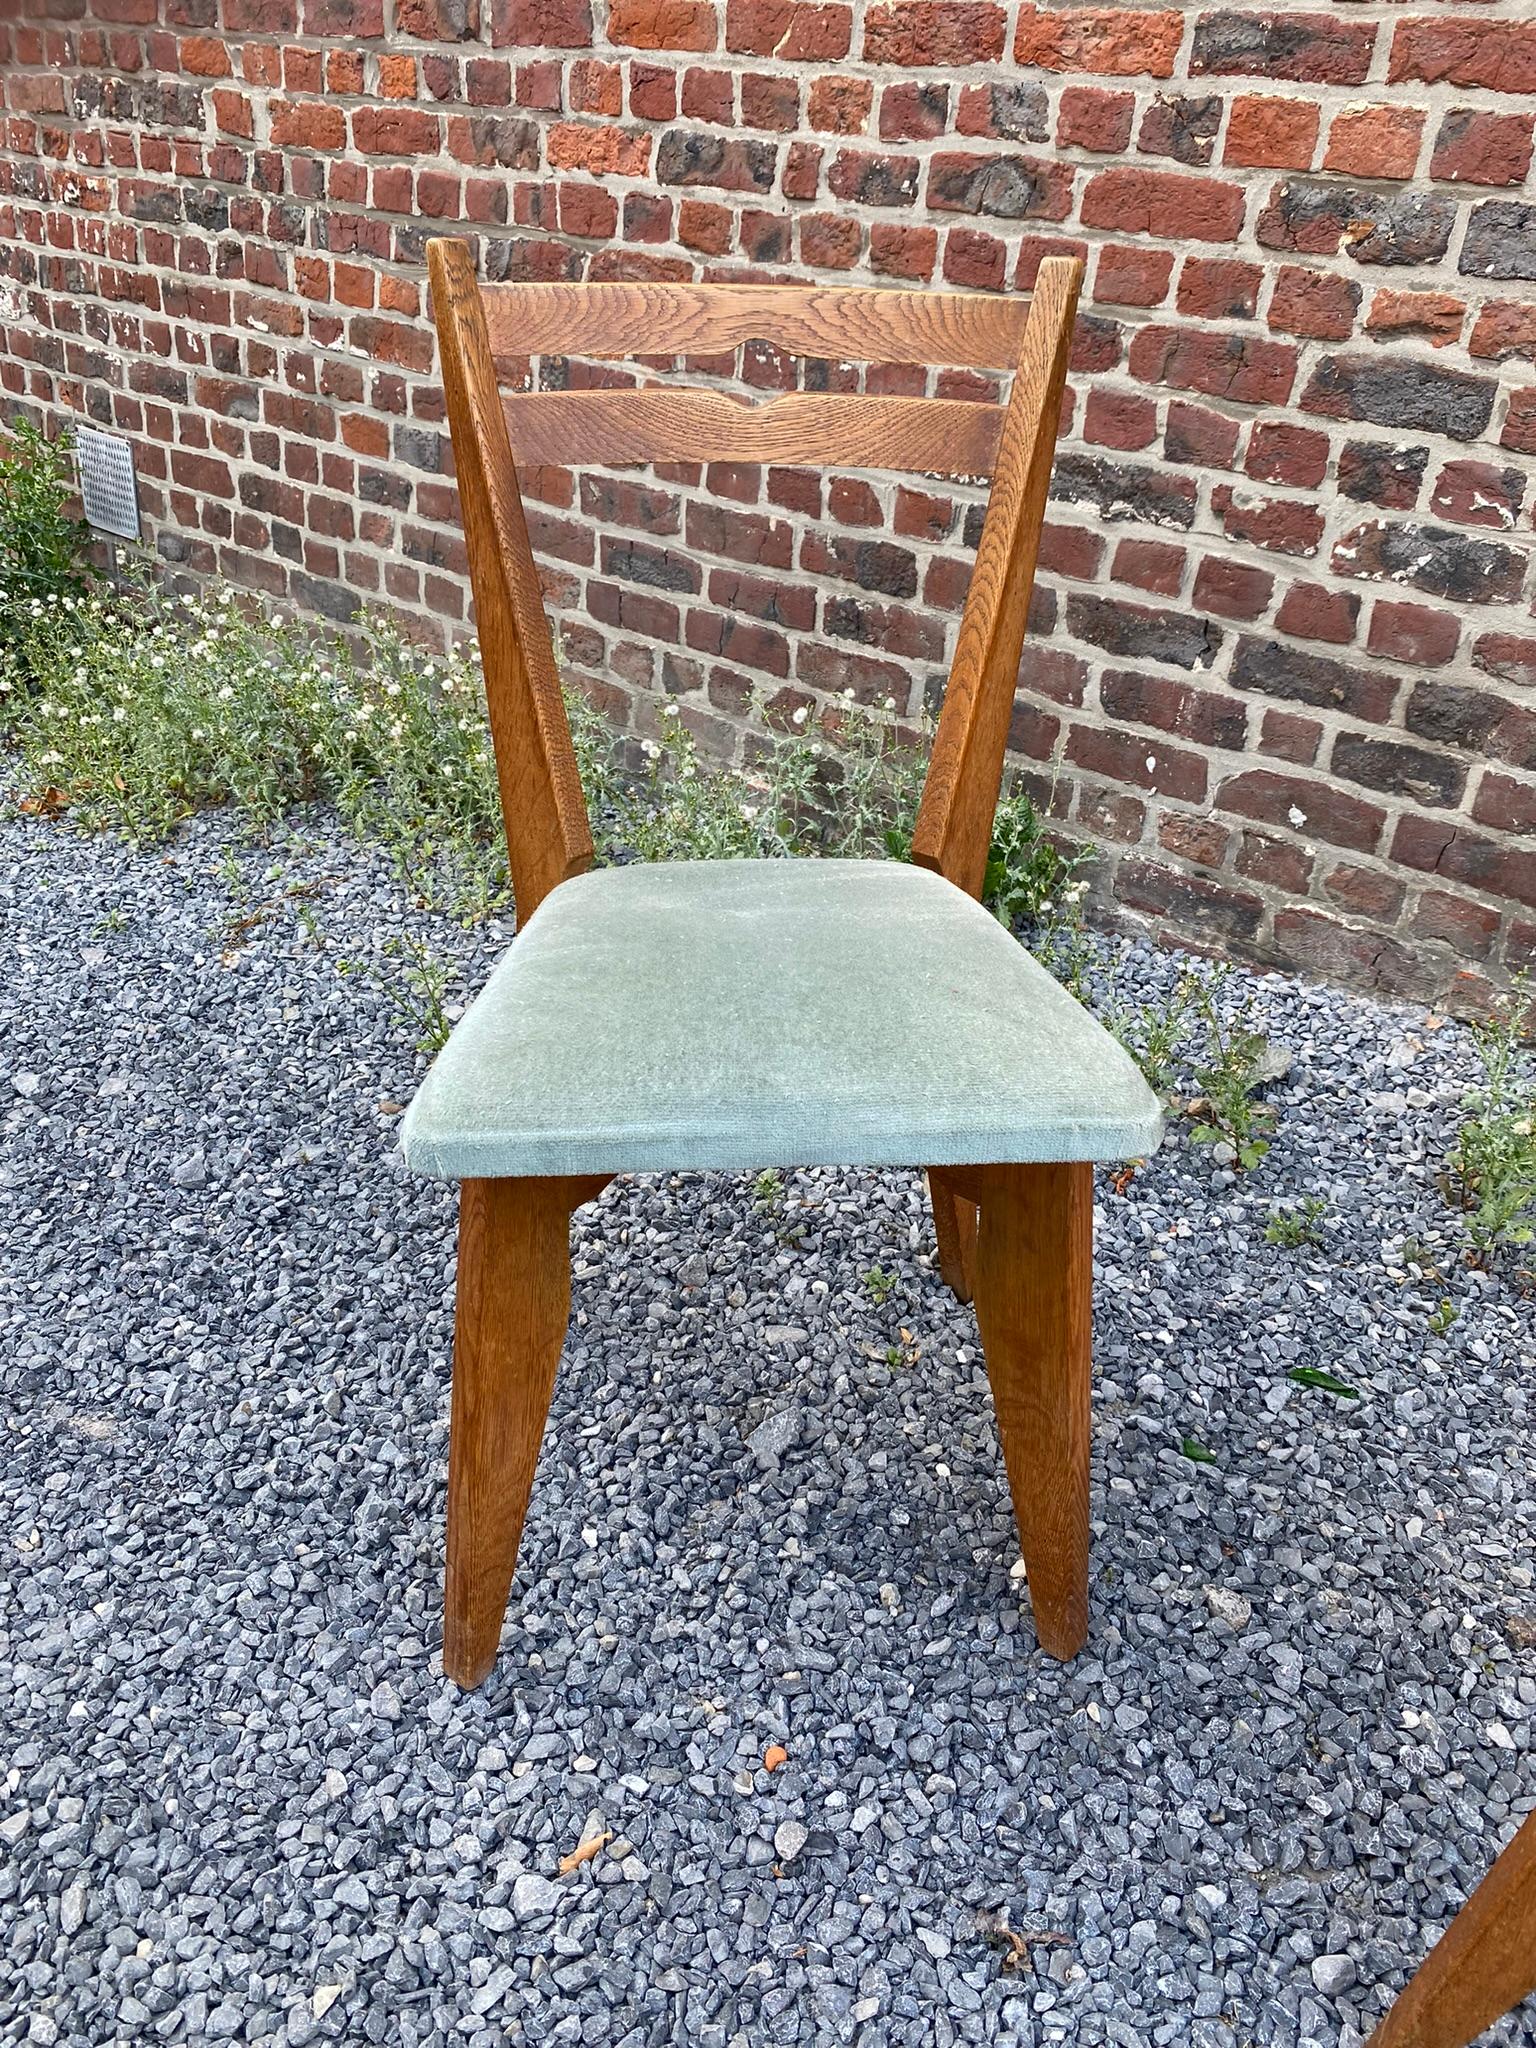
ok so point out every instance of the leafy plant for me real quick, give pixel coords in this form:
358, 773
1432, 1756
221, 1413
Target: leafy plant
1442, 1316
768, 1188
1030, 882
421, 994
879, 1285
42, 545
1492, 1165
1227, 1075
1297, 1226
1154, 1033
1196, 1452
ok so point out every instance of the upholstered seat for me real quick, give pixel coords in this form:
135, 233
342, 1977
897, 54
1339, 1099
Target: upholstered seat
771, 1013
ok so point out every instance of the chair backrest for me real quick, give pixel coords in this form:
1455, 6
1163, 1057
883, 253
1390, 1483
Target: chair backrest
547, 831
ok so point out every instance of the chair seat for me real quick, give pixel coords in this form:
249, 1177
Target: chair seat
742, 1014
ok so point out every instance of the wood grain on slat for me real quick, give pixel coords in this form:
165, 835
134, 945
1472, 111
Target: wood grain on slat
548, 838
954, 822
1483, 1964
971, 329
943, 436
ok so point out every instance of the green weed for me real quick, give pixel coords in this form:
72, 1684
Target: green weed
1297, 1226
1492, 1165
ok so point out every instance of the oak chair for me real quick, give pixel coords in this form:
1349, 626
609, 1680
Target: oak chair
1483, 1964
745, 1014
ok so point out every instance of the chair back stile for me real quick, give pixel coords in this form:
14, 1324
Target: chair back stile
547, 830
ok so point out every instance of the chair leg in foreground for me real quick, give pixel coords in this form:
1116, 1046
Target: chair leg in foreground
1483, 1964
513, 1301
1034, 1305
954, 1225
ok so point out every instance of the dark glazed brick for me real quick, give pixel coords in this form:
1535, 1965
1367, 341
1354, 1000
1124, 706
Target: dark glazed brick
1500, 241
1316, 679
1399, 769
1307, 48
1401, 394
1432, 559
1182, 128
731, 164
1141, 633
1122, 490
1203, 716
1000, 187
1382, 473
1192, 903
1373, 225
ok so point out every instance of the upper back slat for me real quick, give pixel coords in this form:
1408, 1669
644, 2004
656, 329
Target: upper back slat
974, 330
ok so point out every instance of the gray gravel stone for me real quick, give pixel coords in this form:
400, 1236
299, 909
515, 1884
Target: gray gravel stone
237, 1799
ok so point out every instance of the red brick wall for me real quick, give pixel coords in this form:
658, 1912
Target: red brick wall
1284, 667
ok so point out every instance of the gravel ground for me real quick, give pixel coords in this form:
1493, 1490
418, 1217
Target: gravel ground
240, 1801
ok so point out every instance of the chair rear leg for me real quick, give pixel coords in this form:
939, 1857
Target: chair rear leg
954, 1225
1483, 1964
513, 1302
1034, 1305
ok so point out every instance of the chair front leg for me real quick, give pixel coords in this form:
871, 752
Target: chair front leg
513, 1301
1034, 1306
1483, 1964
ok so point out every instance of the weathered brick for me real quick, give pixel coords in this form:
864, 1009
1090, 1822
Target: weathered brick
1279, 453
1132, 276
1088, 118
1014, 112
1306, 48
1398, 768
1241, 368
1435, 317
1433, 559
1412, 632
793, 31
1183, 126
1304, 804
1375, 142
1219, 288
536, 24
1401, 394
1314, 304
1133, 630
1499, 55
1145, 764
1504, 328
1311, 611
1382, 473
662, 24
999, 187
1482, 149
1500, 241
1314, 679
1506, 803
1320, 219
1124, 490
1194, 904
724, 163
1100, 42
1271, 133
1479, 493
913, 113
1141, 202
1208, 718
942, 33
1281, 524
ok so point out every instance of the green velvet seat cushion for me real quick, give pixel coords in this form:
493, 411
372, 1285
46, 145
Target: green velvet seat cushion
740, 1014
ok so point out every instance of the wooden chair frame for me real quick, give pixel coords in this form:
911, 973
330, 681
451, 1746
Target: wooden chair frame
1481, 1967
1016, 1238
